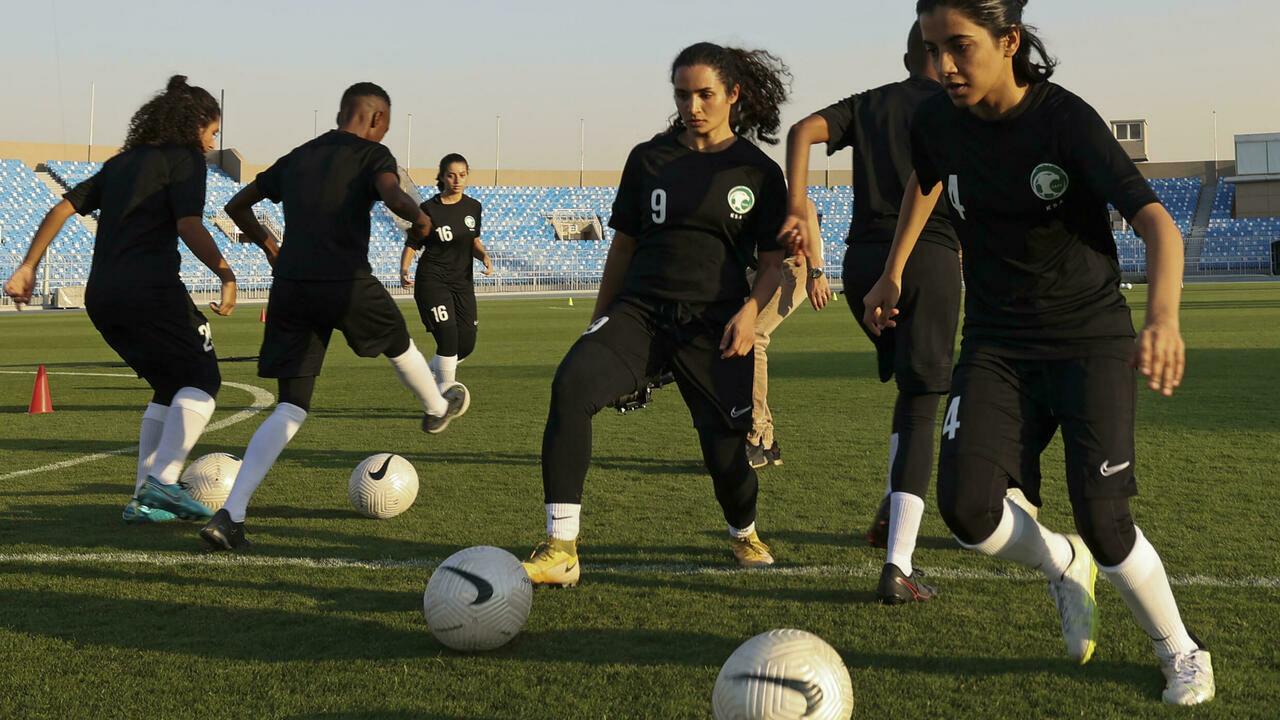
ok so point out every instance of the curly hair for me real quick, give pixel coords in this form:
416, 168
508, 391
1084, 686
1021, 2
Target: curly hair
763, 82
1000, 17
175, 116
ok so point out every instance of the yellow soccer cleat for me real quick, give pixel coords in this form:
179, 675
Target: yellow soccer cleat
750, 551
1077, 607
554, 562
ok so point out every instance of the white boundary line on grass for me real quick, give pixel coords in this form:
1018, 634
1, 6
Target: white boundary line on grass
867, 571
261, 401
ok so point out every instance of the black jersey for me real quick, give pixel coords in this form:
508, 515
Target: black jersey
1029, 196
698, 218
877, 125
327, 187
142, 194
446, 251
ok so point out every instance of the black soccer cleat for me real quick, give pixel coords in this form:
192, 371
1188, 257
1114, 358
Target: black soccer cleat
878, 533
642, 397
773, 454
898, 589
756, 455
222, 533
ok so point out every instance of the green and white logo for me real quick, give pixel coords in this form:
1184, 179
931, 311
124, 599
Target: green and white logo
1049, 182
741, 199
471, 222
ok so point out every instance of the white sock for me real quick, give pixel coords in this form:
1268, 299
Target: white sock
739, 534
265, 446
893, 456
188, 413
1141, 581
1026, 542
905, 512
563, 520
149, 440
411, 367
446, 369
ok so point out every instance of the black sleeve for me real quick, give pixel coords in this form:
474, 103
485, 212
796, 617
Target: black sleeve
409, 241
381, 161
479, 211
770, 211
839, 117
269, 181
926, 172
187, 177
87, 196
1097, 157
627, 204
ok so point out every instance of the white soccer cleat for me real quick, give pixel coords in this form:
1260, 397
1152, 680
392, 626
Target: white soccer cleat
1077, 608
1188, 677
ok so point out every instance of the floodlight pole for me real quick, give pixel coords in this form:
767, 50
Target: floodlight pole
222, 122
1215, 145
315, 124
582, 150
92, 94
408, 145
497, 150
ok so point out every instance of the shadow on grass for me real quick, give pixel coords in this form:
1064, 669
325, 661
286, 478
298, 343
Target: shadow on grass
381, 715
854, 538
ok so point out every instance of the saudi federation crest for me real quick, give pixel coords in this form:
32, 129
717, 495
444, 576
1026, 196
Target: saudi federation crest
471, 222
741, 199
1049, 182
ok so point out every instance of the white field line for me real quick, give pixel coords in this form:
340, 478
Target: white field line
261, 401
866, 571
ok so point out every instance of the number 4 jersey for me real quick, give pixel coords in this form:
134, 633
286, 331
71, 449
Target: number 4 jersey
698, 218
446, 251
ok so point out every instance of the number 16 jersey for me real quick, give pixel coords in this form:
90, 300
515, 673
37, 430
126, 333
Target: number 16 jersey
446, 251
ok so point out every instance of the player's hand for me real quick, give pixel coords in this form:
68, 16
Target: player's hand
406, 279
739, 333
1161, 355
20, 285
881, 304
819, 291
488, 266
228, 301
792, 234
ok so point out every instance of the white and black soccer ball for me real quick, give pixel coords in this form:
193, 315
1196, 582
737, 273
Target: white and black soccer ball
477, 599
209, 478
383, 486
783, 674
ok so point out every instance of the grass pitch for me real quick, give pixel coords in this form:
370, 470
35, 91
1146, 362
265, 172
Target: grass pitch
323, 618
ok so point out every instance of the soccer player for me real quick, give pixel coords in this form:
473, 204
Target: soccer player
444, 287
149, 195
917, 353
1048, 342
695, 205
322, 282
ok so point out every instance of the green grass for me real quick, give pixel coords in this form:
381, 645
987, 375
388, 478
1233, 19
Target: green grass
164, 632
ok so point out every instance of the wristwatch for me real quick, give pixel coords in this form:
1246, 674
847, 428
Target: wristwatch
815, 273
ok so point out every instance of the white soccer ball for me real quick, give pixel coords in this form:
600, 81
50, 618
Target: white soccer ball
383, 486
209, 479
477, 599
783, 674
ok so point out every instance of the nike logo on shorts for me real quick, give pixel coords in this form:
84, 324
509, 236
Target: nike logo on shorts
736, 413
1109, 470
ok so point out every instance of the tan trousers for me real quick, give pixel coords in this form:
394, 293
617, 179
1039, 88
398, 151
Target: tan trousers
790, 295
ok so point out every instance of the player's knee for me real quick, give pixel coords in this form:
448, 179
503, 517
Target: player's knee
724, 454
466, 344
1106, 526
398, 344
965, 502
574, 388
297, 391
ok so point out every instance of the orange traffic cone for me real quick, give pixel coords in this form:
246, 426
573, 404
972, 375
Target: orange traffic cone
262, 316
40, 400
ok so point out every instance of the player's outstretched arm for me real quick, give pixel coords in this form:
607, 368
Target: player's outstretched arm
881, 303
399, 202
406, 266
478, 252
197, 238
740, 332
240, 209
1160, 352
615, 271
22, 282
818, 289
795, 232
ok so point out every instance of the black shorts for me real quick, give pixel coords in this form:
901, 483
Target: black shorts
162, 336
1006, 411
649, 337
918, 352
302, 314
446, 308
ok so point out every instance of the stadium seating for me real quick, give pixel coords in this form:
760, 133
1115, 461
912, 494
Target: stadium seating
522, 242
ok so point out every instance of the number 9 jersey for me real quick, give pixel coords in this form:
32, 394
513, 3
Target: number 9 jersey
446, 251
698, 218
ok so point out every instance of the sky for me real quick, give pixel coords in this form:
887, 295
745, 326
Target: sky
550, 70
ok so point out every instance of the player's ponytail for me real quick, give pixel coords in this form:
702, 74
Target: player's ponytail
445, 162
1032, 63
175, 116
763, 82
